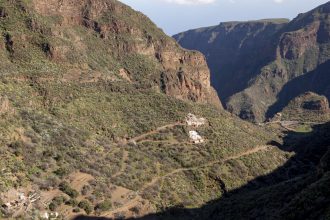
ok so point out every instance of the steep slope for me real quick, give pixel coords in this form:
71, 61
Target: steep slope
100, 40
93, 106
265, 64
297, 190
303, 196
231, 43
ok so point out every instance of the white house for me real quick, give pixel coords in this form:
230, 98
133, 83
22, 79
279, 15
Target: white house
195, 137
192, 120
44, 215
21, 197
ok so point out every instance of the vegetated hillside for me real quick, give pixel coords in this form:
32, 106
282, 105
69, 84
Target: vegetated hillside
258, 67
297, 190
93, 100
90, 41
303, 193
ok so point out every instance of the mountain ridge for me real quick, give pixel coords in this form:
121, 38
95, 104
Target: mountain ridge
269, 57
58, 25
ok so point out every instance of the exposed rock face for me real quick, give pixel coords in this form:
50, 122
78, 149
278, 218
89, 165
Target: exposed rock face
307, 107
258, 67
313, 102
229, 49
293, 45
317, 105
177, 82
182, 74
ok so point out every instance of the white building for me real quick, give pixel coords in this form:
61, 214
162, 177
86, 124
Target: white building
192, 120
195, 137
21, 197
44, 215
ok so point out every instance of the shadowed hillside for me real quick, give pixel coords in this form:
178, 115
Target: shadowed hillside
316, 81
259, 66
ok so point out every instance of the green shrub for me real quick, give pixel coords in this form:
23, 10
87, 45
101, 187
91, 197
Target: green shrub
104, 206
72, 202
76, 210
85, 190
52, 206
16, 145
56, 202
61, 172
66, 188
85, 205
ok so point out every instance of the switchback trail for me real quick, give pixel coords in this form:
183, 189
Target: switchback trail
133, 202
245, 153
141, 137
157, 130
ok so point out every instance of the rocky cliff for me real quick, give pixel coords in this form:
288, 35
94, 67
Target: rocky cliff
102, 40
231, 43
259, 66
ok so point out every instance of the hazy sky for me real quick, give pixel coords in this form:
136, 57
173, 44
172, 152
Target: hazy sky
174, 16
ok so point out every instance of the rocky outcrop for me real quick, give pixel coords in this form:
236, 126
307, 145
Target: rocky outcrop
177, 81
231, 49
121, 34
311, 102
293, 45
258, 67
308, 107
321, 105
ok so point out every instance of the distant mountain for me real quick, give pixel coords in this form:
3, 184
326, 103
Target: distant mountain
259, 66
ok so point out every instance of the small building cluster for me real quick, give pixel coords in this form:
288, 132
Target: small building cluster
193, 121
195, 137
52, 215
22, 202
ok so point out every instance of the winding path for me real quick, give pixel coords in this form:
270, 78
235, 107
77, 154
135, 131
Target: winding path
142, 136
156, 179
245, 153
131, 203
